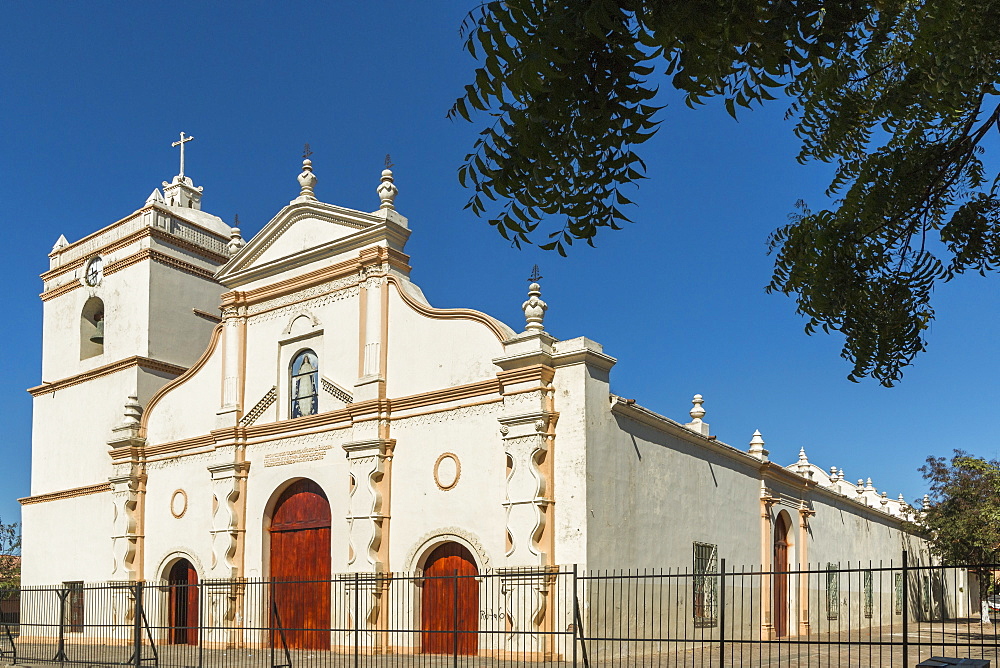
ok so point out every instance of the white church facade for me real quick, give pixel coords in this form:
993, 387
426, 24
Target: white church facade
293, 406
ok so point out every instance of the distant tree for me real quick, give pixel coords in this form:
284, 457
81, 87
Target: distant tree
10, 555
963, 517
899, 94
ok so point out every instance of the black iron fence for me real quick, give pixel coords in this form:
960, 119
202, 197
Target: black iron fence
822, 615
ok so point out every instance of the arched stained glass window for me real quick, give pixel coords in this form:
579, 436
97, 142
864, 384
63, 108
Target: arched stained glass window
305, 384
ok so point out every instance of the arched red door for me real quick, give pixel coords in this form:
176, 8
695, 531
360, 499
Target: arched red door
183, 584
450, 602
779, 608
300, 567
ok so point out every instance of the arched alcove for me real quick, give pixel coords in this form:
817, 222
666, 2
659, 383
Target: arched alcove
92, 328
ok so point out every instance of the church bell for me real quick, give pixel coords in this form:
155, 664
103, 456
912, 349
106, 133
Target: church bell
98, 335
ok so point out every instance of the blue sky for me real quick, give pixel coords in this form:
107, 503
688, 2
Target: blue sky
92, 95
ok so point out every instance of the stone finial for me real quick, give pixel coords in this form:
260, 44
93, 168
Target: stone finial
833, 474
534, 309
756, 444
697, 413
133, 411
236, 241
869, 487
840, 474
901, 500
926, 502
860, 488
307, 181
60, 243
802, 465
155, 197
387, 189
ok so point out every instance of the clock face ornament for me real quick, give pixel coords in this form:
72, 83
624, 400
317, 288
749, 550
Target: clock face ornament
94, 272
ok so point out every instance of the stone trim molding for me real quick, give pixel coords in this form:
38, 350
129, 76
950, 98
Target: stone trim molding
138, 235
124, 263
179, 493
66, 494
181, 379
137, 214
265, 402
458, 471
162, 258
422, 547
500, 330
211, 317
146, 363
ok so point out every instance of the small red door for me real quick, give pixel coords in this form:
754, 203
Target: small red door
780, 588
300, 567
183, 582
450, 602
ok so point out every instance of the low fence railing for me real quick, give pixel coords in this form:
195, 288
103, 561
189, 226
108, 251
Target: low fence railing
820, 615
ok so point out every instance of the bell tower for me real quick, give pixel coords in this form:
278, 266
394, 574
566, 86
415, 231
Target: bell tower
125, 310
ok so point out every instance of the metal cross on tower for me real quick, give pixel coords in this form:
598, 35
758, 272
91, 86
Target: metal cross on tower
181, 143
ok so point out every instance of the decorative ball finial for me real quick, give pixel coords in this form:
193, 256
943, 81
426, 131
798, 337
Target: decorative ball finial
235, 237
307, 180
868, 485
534, 308
884, 500
697, 411
387, 189
756, 445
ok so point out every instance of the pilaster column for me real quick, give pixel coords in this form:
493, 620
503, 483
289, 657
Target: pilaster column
128, 494
370, 465
767, 501
228, 518
526, 594
804, 514
233, 360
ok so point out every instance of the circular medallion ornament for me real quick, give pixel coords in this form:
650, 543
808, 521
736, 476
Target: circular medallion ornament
94, 272
447, 471
179, 503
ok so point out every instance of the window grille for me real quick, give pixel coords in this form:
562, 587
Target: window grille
73, 608
305, 384
705, 577
832, 592
869, 594
899, 594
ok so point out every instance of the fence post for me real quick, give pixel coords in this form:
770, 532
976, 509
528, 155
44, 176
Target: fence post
578, 624
137, 627
454, 635
357, 625
906, 613
61, 647
722, 613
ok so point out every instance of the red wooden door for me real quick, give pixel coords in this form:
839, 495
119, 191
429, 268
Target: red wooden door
183, 581
450, 602
300, 567
780, 606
